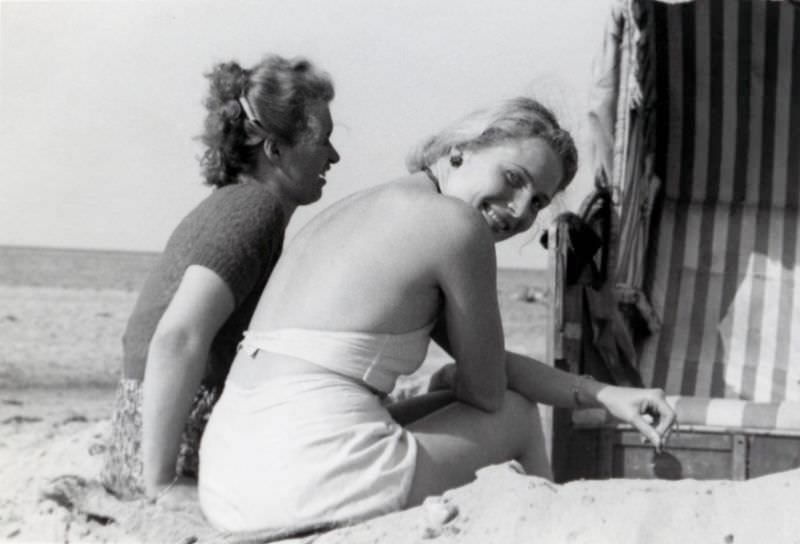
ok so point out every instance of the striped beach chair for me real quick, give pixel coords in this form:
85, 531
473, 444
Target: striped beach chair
696, 121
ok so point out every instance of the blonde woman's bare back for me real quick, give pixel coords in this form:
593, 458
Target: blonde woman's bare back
368, 263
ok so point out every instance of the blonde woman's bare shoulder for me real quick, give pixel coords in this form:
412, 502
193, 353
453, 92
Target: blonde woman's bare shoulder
439, 218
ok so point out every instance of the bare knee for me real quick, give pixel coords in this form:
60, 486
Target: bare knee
527, 436
518, 408
457, 440
512, 423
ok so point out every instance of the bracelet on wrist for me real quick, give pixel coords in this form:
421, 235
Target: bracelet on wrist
577, 390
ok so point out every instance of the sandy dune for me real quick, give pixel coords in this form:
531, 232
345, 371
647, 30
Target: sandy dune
49, 495
55, 400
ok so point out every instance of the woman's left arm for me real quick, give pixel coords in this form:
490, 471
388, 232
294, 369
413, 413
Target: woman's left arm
541, 383
176, 363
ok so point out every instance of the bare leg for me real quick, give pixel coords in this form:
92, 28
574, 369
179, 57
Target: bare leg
459, 439
409, 410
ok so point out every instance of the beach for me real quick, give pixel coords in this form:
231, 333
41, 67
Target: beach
61, 320
62, 316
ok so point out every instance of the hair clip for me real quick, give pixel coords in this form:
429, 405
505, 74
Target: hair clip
248, 111
255, 131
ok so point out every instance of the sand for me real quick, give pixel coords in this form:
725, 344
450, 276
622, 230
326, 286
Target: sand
59, 358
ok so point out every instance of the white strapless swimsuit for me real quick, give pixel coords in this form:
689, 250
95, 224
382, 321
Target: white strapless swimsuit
373, 358
303, 450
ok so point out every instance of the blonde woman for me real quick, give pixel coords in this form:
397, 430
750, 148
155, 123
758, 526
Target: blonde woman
301, 436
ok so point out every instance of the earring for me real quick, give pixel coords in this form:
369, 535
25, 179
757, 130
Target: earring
456, 160
270, 148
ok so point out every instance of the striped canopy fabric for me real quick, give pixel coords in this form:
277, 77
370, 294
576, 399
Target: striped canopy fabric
781, 418
723, 258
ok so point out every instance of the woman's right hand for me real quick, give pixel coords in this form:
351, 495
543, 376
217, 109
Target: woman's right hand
646, 409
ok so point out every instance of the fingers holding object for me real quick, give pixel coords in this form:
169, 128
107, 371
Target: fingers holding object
641, 423
659, 416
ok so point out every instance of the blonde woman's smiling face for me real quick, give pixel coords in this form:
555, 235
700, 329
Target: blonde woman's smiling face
509, 183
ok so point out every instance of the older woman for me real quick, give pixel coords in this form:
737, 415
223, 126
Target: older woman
267, 139
301, 435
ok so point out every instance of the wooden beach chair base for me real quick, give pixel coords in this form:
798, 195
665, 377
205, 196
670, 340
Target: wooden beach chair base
715, 439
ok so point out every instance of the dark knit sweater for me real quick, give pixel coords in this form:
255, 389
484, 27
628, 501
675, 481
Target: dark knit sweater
237, 232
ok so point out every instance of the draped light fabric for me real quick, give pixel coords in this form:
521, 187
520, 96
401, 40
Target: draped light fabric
622, 125
715, 133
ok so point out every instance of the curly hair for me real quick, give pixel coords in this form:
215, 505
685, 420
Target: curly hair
516, 118
279, 91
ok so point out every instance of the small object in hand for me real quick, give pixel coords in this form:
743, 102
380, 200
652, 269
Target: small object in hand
666, 466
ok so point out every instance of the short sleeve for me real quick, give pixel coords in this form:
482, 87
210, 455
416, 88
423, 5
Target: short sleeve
240, 236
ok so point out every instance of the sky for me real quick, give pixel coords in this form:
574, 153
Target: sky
101, 102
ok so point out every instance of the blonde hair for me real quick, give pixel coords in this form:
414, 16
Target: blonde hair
517, 118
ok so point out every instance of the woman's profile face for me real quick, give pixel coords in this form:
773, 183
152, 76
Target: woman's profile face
306, 162
508, 182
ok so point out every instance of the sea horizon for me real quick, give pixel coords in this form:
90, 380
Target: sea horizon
84, 268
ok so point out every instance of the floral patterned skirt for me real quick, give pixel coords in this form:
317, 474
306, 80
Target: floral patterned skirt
122, 468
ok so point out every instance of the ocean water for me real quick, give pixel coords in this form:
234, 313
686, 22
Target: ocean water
74, 268
63, 313
127, 270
